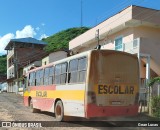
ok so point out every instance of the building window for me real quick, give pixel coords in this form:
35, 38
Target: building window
119, 43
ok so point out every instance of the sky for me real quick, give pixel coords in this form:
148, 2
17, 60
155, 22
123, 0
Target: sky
42, 18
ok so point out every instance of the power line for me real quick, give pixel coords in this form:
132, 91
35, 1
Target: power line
113, 9
145, 18
121, 16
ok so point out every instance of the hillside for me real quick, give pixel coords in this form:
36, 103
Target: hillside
55, 42
61, 40
3, 64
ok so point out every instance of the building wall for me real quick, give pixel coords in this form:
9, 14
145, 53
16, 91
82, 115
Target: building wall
29, 54
150, 44
22, 56
108, 42
145, 15
55, 56
45, 60
28, 67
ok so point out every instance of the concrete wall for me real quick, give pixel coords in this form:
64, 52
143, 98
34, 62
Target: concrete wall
146, 15
28, 67
109, 40
45, 60
55, 56
150, 44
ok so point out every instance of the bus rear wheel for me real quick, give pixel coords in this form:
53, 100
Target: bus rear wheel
34, 110
59, 111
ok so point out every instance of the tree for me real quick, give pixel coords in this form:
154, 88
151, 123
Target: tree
3, 65
61, 39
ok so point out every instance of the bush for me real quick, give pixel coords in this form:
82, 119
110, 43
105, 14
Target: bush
152, 81
156, 106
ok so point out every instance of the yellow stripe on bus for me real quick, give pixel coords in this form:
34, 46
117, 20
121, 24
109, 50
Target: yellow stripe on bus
26, 93
63, 94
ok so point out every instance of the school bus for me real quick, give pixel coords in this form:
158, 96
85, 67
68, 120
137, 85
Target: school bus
96, 83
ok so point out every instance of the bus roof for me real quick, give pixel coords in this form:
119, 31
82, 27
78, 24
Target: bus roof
86, 53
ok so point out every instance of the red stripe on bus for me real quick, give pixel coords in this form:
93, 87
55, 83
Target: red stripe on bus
43, 103
25, 100
103, 111
49, 87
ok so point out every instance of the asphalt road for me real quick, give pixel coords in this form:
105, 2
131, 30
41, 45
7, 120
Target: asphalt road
12, 110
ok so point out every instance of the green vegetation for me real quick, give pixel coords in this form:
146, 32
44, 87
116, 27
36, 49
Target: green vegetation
155, 103
152, 81
61, 40
3, 65
155, 100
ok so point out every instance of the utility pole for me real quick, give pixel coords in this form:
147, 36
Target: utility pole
81, 13
16, 70
97, 37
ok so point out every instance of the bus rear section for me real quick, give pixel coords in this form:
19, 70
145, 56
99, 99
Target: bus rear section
113, 84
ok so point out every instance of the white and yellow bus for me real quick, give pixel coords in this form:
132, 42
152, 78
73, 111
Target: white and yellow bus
96, 83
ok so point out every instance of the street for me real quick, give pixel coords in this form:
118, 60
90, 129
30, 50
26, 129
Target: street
12, 109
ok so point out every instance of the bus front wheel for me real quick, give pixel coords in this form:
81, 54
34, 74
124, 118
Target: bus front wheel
59, 111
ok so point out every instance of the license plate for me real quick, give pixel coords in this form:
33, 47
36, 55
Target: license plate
116, 103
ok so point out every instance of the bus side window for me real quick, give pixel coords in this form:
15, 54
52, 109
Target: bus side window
63, 76
73, 69
46, 74
41, 74
57, 73
31, 79
51, 75
28, 79
37, 78
82, 69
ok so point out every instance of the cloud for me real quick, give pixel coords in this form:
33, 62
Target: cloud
43, 24
4, 41
43, 36
27, 31
37, 28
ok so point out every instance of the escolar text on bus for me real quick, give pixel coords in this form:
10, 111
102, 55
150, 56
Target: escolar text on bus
108, 89
41, 93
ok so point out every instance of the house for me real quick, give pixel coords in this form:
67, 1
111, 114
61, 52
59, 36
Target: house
21, 53
54, 56
135, 30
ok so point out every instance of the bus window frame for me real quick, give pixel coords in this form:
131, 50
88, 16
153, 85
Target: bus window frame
78, 71
59, 75
39, 78
49, 75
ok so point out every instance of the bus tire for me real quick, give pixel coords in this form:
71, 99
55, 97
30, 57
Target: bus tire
34, 110
59, 111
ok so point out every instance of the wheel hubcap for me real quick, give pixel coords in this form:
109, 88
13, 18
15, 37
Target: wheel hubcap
58, 110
